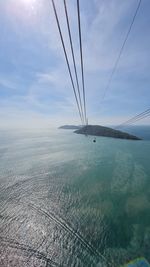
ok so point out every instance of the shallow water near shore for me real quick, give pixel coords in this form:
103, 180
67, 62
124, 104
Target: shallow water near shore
66, 201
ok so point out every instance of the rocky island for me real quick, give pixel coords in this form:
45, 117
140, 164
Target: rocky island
98, 130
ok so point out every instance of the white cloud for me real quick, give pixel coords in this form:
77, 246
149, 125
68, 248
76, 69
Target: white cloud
57, 78
8, 82
103, 33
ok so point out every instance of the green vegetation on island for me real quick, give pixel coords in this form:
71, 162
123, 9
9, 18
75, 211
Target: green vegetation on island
98, 130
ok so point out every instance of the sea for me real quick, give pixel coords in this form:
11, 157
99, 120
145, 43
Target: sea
67, 201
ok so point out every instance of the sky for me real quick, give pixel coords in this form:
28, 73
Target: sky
35, 89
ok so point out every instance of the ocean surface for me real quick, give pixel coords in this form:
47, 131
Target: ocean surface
66, 201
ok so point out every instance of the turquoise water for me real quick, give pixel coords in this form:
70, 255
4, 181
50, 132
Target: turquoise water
66, 201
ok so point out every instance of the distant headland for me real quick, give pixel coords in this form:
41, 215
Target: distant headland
70, 127
97, 130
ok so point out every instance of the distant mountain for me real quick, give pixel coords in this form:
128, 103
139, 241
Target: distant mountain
70, 127
98, 130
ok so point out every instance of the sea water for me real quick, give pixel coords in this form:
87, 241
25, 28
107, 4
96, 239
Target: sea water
66, 201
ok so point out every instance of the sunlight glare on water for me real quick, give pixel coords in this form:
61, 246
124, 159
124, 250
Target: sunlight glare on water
65, 201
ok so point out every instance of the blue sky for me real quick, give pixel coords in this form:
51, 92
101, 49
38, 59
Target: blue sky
34, 83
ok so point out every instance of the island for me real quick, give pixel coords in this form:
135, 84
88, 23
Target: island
70, 127
97, 130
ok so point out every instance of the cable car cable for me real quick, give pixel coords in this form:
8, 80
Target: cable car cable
73, 57
81, 57
66, 57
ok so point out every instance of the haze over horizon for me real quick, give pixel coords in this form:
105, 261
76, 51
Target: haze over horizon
35, 89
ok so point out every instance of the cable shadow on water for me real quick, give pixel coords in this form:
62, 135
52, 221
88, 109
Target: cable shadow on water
33, 252
63, 224
37, 249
